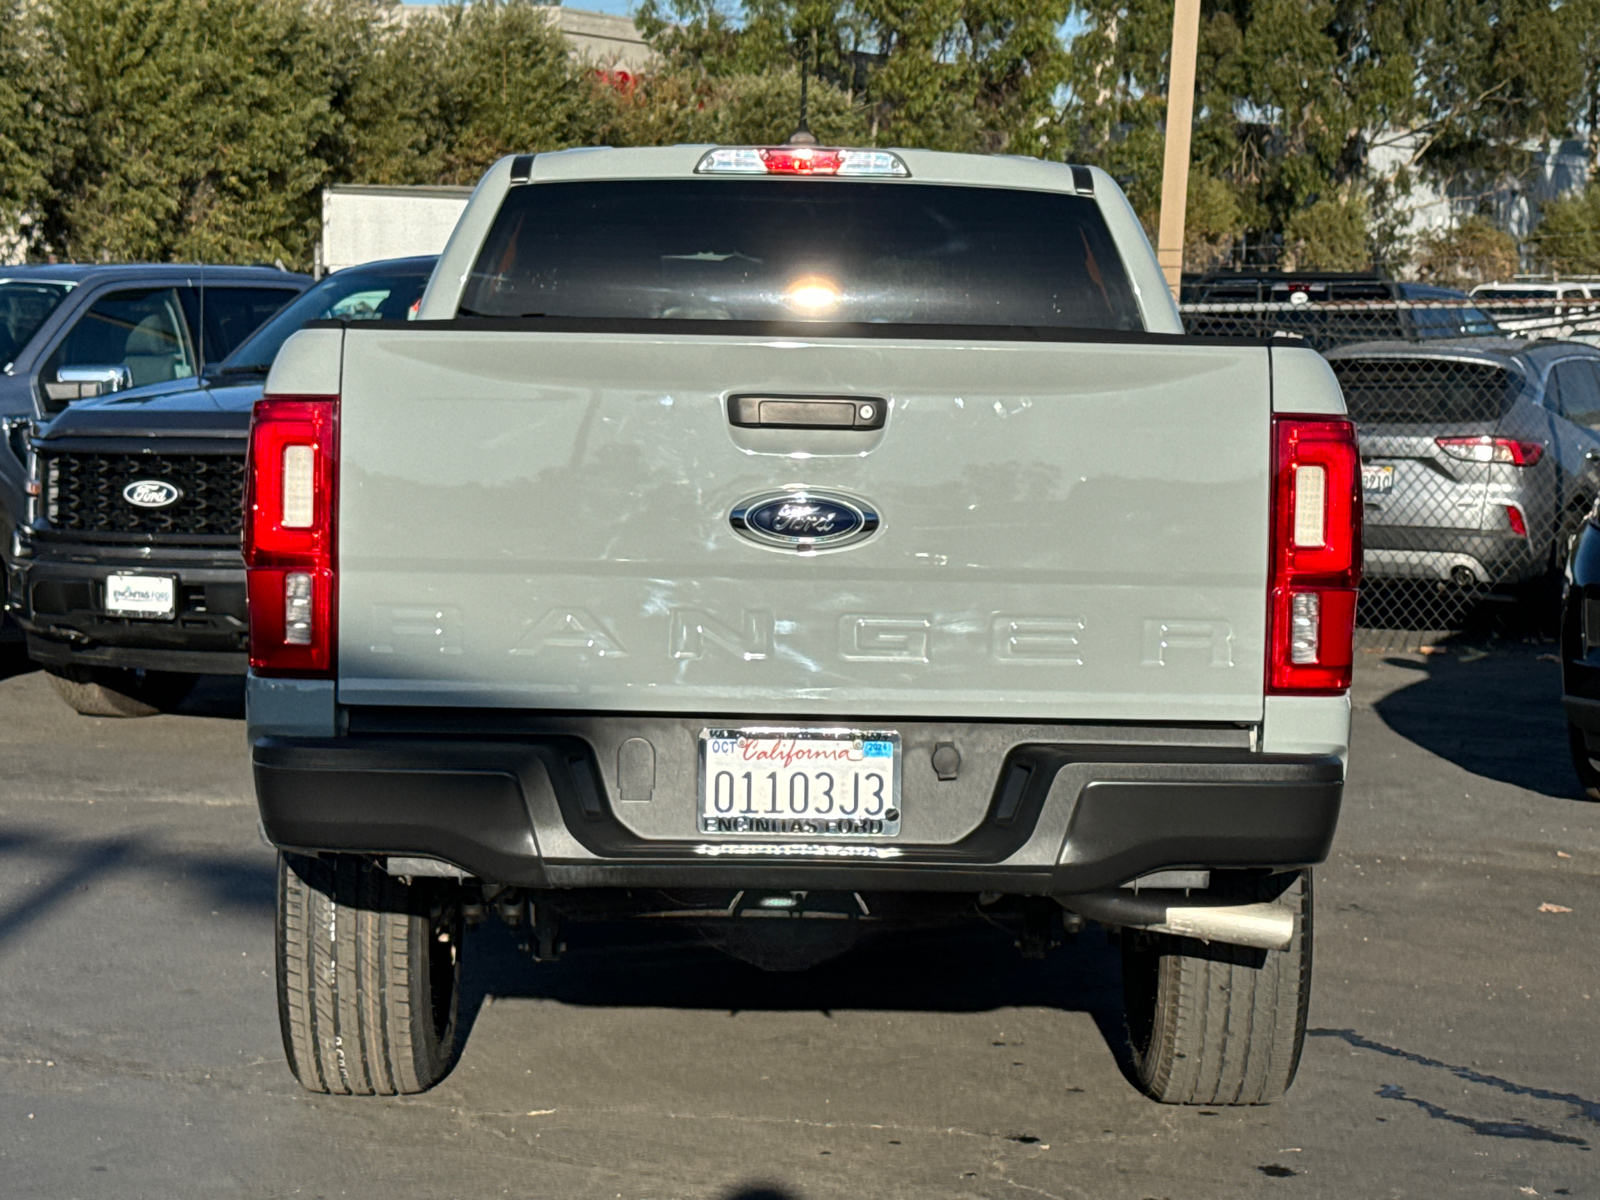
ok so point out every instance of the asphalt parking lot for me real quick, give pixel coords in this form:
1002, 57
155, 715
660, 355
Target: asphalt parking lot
1454, 1046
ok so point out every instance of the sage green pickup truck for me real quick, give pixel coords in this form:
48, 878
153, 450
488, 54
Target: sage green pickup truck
794, 540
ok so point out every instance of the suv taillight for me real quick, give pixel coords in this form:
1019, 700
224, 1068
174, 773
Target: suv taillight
289, 544
1316, 555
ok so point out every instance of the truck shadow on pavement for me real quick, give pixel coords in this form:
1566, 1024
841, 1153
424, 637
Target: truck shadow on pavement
70, 867
965, 966
215, 696
1495, 712
14, 659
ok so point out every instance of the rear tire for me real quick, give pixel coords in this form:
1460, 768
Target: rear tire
1588, 777
369, 976
115, 692
1220, 1024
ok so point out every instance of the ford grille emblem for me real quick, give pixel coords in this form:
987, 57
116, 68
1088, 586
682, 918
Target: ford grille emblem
804, 520
151, 493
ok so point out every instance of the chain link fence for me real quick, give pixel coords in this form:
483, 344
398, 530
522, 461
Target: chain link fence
1480, 459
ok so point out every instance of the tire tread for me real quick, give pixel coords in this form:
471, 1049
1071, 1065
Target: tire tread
1227, 1024
353, 980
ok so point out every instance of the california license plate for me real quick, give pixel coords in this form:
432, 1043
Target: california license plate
1375, 481
802, 783
153, 597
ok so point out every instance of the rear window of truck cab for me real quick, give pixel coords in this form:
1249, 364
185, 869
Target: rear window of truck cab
791, 250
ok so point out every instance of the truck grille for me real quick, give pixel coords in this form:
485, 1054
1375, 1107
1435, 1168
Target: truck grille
84, 493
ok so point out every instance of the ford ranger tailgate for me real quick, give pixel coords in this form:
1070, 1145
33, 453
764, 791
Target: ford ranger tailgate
1049, 529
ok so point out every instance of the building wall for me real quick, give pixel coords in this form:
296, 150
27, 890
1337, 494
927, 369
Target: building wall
1559, 168
602, 39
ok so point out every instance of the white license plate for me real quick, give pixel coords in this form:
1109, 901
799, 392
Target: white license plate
148, 596
801, 783
1377, 480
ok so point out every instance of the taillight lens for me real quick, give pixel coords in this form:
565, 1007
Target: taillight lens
1491, 450
289, 538
1316, 555
1518, 523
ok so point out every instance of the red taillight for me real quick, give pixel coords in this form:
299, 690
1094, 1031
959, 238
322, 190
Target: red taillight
289, 544
1316, 555
1519, 525
1491, 450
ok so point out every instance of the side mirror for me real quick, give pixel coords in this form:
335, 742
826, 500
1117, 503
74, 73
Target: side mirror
81, 383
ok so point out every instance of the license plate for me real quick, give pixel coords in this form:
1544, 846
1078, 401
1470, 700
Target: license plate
802, 783
152, 597
1377, 480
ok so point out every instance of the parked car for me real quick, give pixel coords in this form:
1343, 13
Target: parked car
1580, 656
1547, 309
1369, 307
820, 535
72, 331
126, 576
1478, 456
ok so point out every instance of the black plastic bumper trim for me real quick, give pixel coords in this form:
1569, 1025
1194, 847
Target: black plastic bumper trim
528, 812
196, 662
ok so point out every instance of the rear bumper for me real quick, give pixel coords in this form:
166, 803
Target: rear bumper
1418, 552
537, 811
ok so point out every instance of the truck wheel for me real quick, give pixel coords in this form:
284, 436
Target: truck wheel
1588, 777
369, 976
1219, 1024
113, 692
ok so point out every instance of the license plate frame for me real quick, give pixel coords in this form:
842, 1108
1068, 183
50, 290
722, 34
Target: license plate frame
1377, 479
764, 807
158, 603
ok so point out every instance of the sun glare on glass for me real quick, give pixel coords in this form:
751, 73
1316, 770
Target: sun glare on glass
812, 294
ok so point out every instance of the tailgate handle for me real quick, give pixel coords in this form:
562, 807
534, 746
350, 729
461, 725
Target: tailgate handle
807, 412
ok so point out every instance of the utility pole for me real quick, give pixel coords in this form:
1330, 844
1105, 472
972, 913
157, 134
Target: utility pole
1180, 123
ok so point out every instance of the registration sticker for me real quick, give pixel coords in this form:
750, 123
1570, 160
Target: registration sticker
800, 783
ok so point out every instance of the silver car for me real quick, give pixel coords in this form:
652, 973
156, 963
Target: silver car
1480, 456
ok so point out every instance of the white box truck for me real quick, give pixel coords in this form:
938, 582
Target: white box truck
362, 224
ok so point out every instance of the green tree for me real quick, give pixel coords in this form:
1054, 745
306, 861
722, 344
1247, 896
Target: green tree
34, 138
1330, 234
508, 85
202, 129
942, 74
1303, 105
1567, 239
1473, 251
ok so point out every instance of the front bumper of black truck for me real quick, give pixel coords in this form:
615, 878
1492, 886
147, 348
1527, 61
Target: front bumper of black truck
58, 599
538, 807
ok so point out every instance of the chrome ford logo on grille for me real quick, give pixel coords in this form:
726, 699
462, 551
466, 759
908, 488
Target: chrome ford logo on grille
804, 520
151, 493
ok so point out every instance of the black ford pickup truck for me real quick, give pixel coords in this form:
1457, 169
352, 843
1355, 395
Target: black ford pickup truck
126, 577
73, 330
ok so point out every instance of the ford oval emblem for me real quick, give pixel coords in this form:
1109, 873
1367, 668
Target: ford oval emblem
804, 520
151, 493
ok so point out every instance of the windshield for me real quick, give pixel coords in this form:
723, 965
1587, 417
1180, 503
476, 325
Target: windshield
802, 250
355, 294
24, 307
1453, 322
